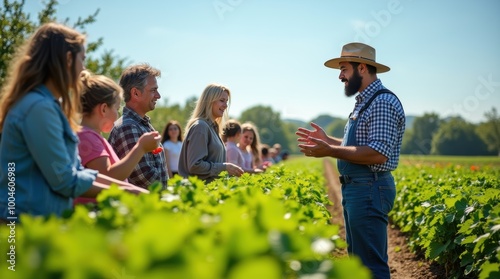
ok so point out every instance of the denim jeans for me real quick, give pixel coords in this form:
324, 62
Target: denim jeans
367, 201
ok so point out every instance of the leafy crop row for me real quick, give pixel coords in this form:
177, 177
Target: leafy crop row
272, 225
452, 214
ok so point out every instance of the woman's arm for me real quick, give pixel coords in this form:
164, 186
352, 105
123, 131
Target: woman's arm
123, 168
50, 140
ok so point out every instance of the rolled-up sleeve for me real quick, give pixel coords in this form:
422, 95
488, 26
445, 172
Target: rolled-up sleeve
383, 127
45, 139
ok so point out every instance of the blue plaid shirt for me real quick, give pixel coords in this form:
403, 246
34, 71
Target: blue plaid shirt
381, 125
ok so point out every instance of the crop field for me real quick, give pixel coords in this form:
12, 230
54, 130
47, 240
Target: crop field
271, 225
449, 207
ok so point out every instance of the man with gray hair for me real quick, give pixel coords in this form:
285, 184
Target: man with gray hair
140, 90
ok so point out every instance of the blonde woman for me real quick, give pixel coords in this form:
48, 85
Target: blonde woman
203, 153
38, 121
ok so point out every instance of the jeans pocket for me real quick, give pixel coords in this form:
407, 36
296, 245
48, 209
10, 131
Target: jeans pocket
387, 196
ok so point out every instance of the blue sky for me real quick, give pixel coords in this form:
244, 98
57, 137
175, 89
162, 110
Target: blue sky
444, 55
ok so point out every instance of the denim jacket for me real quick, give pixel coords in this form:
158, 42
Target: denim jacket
41, 171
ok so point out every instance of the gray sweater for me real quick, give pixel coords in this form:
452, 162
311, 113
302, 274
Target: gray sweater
203, 153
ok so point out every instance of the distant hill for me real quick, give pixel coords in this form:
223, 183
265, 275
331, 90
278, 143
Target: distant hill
296, 122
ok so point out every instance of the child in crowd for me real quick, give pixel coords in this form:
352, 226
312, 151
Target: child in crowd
249, 146
100, 99
172, 144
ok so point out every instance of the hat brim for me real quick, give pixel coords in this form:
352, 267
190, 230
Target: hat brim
334, 63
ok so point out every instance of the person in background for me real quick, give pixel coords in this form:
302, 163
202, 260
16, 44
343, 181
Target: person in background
276, 152
231, 134
203, 153
365, 156
285, 155
38, 120
267, 160
172, 144
100, 99
272, 154
140, 91
249, 147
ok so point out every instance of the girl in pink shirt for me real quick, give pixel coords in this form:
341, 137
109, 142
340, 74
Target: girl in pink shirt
101, 98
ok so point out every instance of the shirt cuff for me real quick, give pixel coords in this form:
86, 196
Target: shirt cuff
380, 148
85, 179
217, 168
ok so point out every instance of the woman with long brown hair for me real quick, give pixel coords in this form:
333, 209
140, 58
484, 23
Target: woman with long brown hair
41, 170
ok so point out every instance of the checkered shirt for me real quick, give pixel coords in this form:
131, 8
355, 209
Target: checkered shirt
123, 137
381, 125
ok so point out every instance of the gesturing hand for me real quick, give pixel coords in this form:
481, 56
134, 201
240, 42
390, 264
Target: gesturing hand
304, 134
315, 148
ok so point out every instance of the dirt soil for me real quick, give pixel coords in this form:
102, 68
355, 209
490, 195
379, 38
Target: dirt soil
403, 263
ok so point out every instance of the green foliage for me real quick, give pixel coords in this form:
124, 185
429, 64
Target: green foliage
336, 128
418, 140
325, 120
457, 137
452, 214
269, 123
290, 129
108, 65
16, 26
271, 225
490, 131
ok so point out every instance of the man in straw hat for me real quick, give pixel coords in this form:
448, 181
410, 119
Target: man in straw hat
366, 155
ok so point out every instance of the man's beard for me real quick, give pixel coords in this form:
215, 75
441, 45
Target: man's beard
353, 84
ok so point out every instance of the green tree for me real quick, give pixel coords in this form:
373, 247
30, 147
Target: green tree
290, 129
458, 137
489, 131
324, 120
16, 26
336, 128
269, 124
408, 146
165, 112
419, 140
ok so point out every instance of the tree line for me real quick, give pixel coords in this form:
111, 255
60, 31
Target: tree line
427, 135
431, 135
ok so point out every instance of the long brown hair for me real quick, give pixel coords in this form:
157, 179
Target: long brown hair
166, 136
43, 57
255, 145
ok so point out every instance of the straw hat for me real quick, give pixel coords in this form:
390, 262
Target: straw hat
357, 52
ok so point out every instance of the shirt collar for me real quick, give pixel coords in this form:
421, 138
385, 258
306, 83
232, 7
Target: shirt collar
369, 91
135, 116
44, 91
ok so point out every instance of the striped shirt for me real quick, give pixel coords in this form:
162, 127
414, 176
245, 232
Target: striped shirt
381, 125
124, 136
